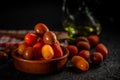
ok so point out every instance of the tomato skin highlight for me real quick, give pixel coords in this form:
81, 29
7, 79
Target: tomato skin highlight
50, 38
73, 50
28, 54
21, 48
57, 51
93, 40
96, 58
31, 38
85, 54
38, 50
80, 63
40, 29
102, 49
47, 52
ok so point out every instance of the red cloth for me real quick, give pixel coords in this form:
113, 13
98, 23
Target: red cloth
6, 41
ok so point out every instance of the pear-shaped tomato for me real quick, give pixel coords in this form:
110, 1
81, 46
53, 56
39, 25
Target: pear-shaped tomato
37, 49
30, 38
40, 29
57, 50
50, 38
47, 52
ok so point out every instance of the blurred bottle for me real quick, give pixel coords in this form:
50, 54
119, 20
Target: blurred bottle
78, 20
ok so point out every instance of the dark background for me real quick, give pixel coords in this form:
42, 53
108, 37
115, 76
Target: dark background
25, 14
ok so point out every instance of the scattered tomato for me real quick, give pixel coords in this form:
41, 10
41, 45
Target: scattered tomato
73, 50
102, 49
85, 54
82, 45
81, 38
96, 57
93, 40
80, 63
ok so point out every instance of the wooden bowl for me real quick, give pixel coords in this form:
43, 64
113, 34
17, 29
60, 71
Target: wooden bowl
40, 66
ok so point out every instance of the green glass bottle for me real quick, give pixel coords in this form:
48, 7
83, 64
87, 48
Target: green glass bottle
78, 20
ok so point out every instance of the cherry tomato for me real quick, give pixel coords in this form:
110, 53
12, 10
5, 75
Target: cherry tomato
37, 49
102, 49
21, 48
47, 52
49, 38
73, 50
96, 57
93, 39
57, 51
28, 53
80, 63
30, 38
40, 29
85, 54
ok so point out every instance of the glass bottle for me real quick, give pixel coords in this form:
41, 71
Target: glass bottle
78, 20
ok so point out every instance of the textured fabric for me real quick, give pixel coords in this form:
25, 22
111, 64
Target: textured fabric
6, 40
12, 40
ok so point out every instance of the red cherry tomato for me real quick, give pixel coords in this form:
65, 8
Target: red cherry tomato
38, 49
31, 38
40, 29
57, 50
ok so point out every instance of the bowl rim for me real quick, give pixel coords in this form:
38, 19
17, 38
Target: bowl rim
39, 61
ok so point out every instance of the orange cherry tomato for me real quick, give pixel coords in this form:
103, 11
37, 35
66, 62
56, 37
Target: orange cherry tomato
80, 63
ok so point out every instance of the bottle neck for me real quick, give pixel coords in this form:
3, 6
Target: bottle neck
73, 6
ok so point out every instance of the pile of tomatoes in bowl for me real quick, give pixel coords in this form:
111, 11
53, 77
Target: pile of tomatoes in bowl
40, 52
42, 44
